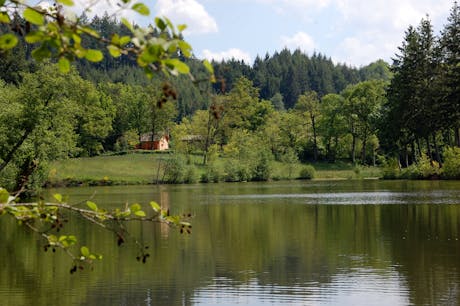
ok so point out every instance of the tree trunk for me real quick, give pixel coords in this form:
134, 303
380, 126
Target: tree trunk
353, 149
315, 149
436, 148
7, 159
428, 148
10, 154
328, 149
335, 148
419, 149
363, 151
414, 152
457, 136
406, 156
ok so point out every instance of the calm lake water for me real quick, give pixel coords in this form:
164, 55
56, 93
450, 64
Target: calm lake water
278, 243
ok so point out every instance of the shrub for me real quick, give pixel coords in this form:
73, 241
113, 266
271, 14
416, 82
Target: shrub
211, 175
451, 167
411, 173
174, 169
127, 141
231, 171
428, 168
307, 172
262, 171
190, 175
357, 170
236, 171
391, 169
291, 159
423, 169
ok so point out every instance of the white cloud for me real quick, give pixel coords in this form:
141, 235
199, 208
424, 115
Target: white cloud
189, 12
300, 40
366, 47
298, 4
375, 29
232, 53
398, 14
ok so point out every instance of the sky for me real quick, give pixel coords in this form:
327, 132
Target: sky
354, 32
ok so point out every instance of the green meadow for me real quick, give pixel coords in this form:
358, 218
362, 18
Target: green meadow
148, 168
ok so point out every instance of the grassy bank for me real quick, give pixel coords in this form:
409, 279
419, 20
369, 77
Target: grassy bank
148, 168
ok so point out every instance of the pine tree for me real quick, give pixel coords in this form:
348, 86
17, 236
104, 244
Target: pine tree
450, 52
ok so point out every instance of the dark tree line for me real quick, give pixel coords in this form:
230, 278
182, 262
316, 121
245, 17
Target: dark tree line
423, 111
290, 74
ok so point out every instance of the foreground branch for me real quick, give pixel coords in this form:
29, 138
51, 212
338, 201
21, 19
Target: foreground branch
47, 219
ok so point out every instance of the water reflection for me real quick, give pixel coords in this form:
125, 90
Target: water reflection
360, 286
296, 243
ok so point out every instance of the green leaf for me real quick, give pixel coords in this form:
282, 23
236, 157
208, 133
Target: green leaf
179, 66
141, 9
208, 66
85, 251
34, 37
127, 24
93, 55
58, 197
4, 196
185, 48
8, 41
210, 69
76, 38
33, 16
64, 65
66, 2
41, 53
80, 52
155, 206
90, 32
4, 18
72, 239
160, 23
124, 40
114, 50
181, 27
91, 205
62, 238
135, 207
52, 239
140, 213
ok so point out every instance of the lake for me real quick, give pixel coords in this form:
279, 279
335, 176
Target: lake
279, 243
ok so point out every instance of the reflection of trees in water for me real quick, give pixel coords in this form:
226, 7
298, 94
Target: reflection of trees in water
425, 248
272, 244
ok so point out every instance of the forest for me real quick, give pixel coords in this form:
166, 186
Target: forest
288, 107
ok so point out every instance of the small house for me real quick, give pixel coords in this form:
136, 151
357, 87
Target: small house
157, 142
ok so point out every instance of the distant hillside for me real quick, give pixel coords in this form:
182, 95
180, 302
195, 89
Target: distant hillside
282, 76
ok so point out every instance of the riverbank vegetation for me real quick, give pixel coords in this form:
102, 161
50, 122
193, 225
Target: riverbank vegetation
155, 168
255, 122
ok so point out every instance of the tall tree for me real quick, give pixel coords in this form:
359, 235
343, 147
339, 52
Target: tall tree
308, 104
363, 103
413, 93
450, 48
332, 124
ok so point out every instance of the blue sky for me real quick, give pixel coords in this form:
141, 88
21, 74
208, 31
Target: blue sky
355, 32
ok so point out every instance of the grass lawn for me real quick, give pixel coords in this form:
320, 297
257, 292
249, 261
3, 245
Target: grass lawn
130, 168
142, 169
